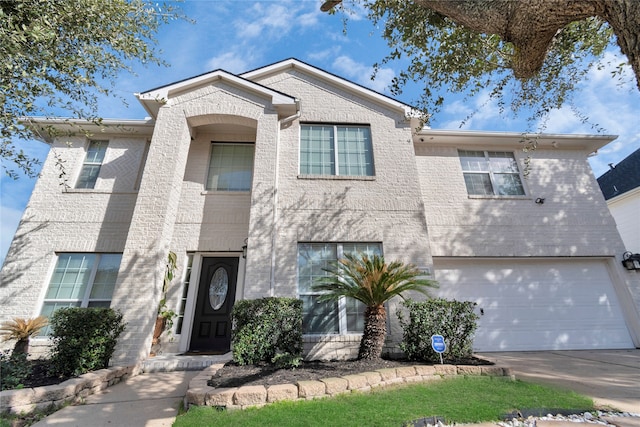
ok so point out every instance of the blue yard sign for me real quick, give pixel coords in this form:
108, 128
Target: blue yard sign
438, 345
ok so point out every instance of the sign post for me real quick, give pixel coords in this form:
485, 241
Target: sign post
438, 345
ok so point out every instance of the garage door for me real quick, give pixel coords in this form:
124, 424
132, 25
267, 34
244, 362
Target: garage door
537, 305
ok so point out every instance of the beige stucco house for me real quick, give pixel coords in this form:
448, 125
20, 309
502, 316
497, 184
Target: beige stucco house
257, 180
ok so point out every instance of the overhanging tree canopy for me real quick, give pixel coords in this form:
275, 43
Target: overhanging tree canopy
529, 54
58, 55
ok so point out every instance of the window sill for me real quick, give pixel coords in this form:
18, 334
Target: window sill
94, 191
478, 196
339, 177
226, 193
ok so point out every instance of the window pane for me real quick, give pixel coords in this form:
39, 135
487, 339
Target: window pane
71, 276
502, 162
478, 183
473, 161
508, 184
312, 259
368, 249
106, 275
231, 167
355, 155
317, 150
91, 167
355, 315
319, 317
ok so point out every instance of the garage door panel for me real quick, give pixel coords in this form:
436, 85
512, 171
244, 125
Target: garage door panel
537, 305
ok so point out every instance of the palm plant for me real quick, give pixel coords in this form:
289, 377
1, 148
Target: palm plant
373, 282
21, 330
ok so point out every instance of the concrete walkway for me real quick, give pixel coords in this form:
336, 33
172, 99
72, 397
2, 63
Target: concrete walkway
146, 400
610, 377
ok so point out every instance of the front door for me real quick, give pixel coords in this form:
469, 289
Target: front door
216, 294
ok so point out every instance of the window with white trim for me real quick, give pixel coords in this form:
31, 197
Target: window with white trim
81, 280
335, 150
230, 167
335, 317
92, 164
491, 173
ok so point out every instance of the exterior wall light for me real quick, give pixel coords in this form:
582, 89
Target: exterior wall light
244, 248
631, 261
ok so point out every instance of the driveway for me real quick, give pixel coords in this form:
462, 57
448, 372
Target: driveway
610, 377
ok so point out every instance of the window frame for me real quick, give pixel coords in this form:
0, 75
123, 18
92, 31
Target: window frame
488, 171
210, 168
342, 308
90, 184
86, 300
336, 163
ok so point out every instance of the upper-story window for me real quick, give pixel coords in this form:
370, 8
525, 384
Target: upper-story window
335, 150
92, 163
230, 167
489, 173
81, 280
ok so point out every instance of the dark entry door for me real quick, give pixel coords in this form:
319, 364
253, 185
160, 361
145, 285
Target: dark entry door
216, 294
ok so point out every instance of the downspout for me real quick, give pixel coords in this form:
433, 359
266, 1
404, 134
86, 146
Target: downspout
274, 231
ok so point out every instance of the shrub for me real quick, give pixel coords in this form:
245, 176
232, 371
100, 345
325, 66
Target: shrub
84, 339
454, 320
267, 330
14, 368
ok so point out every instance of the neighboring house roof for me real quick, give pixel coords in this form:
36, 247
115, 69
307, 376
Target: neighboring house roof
623, 177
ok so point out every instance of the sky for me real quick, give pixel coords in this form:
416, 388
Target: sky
242, 35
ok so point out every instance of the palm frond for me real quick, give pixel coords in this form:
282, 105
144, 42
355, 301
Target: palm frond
20, 329
370, 280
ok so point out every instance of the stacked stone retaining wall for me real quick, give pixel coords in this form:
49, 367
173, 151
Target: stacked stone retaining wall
200, 394
26, 400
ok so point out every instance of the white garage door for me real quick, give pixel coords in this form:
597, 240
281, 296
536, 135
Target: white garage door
537, 305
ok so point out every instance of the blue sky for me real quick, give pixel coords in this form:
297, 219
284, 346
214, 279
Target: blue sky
241, 35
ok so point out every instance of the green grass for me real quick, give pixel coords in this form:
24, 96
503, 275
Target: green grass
459, 400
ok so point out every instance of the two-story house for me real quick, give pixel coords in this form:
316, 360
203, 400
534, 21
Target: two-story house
258, 180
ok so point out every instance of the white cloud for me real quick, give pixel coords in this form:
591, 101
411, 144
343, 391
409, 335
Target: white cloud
271, 19
232, 62
361, 74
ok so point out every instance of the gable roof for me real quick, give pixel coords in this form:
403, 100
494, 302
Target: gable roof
344, 84
153, 99
623, 177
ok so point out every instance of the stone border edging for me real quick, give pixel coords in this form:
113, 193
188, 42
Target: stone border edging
200, 394
26, 400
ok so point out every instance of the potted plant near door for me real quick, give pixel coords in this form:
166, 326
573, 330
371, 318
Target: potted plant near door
164, 319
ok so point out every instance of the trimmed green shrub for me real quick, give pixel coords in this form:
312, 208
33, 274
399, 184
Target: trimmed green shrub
14, 369
84, 339
454, 320
267, 330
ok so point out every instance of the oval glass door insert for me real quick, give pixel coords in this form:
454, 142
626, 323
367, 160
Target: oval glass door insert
218, 288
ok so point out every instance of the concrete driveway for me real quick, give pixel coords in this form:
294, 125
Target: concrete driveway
610, 377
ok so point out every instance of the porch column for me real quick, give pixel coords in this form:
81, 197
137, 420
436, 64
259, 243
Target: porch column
139, 283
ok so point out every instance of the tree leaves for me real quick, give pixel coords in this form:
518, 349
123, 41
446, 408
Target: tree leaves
60, 54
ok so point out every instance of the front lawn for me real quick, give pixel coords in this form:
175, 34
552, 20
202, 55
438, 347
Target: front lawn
457, 400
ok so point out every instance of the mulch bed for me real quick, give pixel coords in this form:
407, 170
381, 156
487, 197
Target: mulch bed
233, 375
